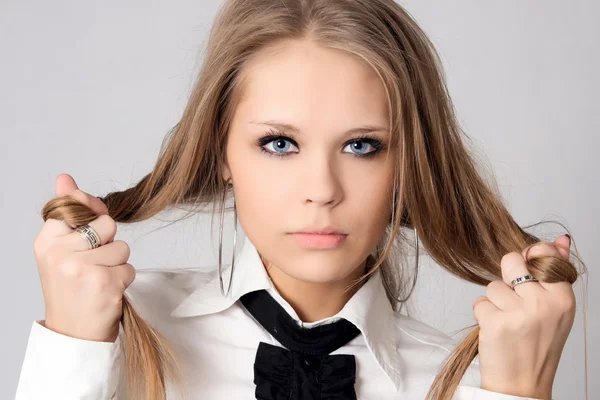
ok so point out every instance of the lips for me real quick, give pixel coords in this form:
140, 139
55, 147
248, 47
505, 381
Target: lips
319, 240
321, 231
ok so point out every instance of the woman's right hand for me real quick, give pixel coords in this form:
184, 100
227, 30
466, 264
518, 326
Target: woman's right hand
83, 289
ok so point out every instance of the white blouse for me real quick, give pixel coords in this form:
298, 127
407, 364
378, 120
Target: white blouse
216, 339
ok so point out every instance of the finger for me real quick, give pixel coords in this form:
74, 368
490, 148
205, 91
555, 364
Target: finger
563, 245
502, 295
545, 249
104, 225
66, 186
542, 249
54, 228
124, 274
109, 255
50, 231
513, 265
484, 309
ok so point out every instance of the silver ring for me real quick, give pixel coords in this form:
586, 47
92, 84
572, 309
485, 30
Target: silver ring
522, 279
90, 235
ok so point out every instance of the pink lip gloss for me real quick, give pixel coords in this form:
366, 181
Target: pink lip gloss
319, 241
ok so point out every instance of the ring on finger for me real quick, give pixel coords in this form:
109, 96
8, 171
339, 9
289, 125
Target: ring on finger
522, 279
90, 235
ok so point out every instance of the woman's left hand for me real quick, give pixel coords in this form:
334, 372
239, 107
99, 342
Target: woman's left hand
523, 329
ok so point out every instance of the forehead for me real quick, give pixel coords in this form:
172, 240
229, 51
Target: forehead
308, 85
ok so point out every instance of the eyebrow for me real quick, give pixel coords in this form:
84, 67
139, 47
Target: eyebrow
291, 128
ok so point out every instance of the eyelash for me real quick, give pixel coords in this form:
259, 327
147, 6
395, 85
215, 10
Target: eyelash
272, 135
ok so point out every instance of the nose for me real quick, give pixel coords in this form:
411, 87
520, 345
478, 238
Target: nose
321, 183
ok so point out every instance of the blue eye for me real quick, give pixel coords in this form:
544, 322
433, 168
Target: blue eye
280, 144
361, 145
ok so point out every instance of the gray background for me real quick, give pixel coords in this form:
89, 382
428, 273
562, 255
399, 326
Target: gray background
90, 88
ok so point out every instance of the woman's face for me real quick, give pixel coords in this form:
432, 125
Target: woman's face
319, 175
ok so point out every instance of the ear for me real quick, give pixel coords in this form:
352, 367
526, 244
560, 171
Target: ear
226, 174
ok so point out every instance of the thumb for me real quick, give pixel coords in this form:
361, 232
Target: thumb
563, 244
65, 185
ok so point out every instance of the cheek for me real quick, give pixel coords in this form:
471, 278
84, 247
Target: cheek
261, 186
262, 207
372, 211
374, 196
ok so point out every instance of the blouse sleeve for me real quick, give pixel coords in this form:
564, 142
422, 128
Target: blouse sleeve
57, 367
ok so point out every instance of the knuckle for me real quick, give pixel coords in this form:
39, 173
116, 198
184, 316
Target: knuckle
495, 291
101, 281
124, 248
494, 285
132, 274
109, 224
71, 268
567, 303
508, 258
478, 300
38, 245
132, 270
54, 256
477, 310
127, 276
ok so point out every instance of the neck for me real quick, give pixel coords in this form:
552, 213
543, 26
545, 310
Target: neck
314, 301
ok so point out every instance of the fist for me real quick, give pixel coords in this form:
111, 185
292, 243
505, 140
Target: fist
83, 289
523, 329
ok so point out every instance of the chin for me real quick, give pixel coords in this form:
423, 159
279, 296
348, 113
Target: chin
319, 266
317, 270
316, 277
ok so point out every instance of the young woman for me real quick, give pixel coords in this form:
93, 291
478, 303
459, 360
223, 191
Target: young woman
329, 125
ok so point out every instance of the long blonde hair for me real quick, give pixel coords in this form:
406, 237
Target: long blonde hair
459, 216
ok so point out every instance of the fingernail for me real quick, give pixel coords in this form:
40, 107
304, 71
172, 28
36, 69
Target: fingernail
569, 236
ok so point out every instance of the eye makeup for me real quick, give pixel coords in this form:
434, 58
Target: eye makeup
275, 135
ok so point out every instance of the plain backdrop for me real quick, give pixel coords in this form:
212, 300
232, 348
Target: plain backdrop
90, 89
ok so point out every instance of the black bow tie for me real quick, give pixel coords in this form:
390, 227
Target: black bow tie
304, 369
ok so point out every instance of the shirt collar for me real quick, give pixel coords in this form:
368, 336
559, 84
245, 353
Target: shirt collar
368, 309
